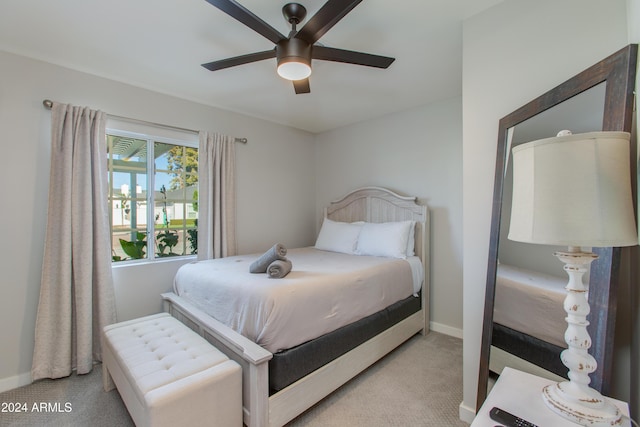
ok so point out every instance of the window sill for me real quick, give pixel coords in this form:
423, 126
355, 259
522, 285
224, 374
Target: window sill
147, 262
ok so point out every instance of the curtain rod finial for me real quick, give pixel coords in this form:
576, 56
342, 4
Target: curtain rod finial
47, 103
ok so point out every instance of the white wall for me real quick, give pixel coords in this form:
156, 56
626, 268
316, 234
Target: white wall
513, 53
275, 176
417, 153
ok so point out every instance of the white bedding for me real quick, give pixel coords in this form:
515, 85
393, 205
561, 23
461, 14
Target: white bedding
324, 291
531, 302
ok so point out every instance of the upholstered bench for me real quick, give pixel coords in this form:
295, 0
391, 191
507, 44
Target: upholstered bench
168, 375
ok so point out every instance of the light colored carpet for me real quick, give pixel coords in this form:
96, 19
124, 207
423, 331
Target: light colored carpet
78, 400
418, 384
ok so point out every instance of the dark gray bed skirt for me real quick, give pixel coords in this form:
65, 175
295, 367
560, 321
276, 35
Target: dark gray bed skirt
287, 366
529, 348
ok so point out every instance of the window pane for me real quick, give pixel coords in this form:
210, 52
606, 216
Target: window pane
176, 167
127, 163
163, 213
174, 198
164, 189
168, 243
129, 244
192, 225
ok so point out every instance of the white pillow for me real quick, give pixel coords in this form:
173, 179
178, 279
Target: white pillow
387, 239
338, 236
411, 241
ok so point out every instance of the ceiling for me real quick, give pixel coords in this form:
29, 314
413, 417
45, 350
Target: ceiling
160, 44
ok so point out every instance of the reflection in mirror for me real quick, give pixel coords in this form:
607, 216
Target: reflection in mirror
599, 98
582, 113
530, 281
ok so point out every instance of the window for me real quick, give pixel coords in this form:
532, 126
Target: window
157, 223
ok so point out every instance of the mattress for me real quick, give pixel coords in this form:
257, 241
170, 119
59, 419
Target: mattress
323, 292
531, 302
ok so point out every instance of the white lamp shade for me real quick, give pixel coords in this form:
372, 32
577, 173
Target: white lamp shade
573, 190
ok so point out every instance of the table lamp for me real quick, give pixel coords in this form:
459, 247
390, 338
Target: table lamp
575, 191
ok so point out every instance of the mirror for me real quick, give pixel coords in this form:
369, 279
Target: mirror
599, 98
582, 113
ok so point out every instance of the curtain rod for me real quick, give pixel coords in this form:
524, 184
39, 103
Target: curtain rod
48, 104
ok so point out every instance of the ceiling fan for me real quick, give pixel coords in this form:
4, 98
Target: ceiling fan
295, 52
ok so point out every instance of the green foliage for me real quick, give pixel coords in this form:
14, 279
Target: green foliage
135, 249
192, 238
166, 240
195, 200
182, 163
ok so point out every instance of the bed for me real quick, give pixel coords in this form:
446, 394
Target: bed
282, 383
528, 321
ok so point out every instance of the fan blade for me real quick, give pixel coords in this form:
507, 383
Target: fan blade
301, 86
239, 60
340, 55
325, 18
239, 12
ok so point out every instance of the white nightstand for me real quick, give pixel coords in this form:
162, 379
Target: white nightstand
521, 394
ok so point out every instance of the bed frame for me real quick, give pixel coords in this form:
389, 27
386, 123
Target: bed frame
371, 204
525, 352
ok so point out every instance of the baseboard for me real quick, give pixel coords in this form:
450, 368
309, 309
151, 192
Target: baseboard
444, 329
466, 413
10, 383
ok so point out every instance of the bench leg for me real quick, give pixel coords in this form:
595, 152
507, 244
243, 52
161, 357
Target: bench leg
107, 381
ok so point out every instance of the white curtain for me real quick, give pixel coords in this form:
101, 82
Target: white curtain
217, 205
76, 294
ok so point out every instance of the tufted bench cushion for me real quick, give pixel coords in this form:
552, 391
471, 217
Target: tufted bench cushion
168, 375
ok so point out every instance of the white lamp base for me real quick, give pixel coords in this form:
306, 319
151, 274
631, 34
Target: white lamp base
574, 399
589, 410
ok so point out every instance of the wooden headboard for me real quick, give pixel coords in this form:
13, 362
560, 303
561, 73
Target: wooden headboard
376, 204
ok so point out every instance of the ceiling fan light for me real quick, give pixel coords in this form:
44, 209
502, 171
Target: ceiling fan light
294, 70
294, 59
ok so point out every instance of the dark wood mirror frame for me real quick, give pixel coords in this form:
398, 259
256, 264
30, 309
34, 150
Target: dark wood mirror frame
618, 71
